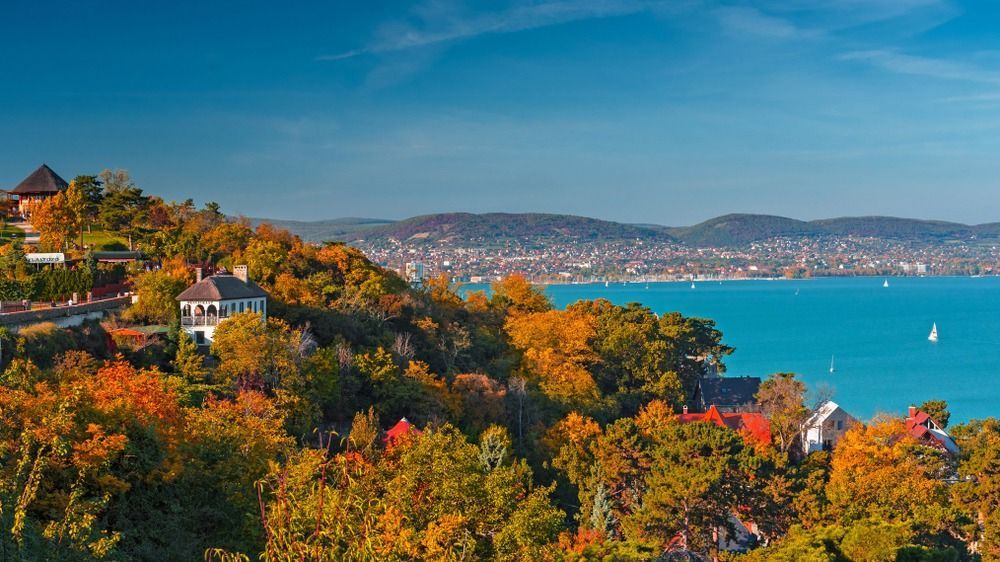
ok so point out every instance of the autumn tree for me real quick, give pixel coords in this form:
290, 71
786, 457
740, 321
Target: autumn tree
437, 497
514, 294
157, 292
782, 401
55, 221
556, 354
255, 353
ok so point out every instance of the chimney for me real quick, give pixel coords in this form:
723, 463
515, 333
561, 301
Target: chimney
685, 409
913, 411
197, 274
240, 271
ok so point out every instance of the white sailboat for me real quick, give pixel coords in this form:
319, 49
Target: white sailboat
885, 283
692, 284
934, 336
605, 283
831, 364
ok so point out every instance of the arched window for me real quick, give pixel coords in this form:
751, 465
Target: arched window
199, 310
212, 311
186, 310
241, 306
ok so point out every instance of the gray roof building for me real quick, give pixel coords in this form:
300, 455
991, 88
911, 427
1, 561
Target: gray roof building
222, 286
727, 394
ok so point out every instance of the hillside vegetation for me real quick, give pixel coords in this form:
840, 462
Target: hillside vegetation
532, 433
725, 231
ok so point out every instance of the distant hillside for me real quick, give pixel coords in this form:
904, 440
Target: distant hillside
737, 229
319, 231
725, 231
451, 227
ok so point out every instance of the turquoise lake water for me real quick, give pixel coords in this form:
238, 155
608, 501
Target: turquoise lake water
877, 335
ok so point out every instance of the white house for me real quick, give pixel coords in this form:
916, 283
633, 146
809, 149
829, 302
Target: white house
825, 427
214, 299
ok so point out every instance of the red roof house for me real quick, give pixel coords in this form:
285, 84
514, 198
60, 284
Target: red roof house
928, 431
400, 432
753, 426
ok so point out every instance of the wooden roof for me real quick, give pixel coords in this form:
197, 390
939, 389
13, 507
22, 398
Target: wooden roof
42, 180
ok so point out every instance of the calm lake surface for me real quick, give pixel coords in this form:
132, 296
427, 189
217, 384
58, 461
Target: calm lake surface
877, 335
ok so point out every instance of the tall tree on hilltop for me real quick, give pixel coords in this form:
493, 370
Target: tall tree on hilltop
124, 208
92, 189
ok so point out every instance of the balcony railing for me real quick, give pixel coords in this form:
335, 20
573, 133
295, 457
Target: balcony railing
202, 320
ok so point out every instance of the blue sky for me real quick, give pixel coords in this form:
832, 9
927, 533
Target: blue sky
631, 110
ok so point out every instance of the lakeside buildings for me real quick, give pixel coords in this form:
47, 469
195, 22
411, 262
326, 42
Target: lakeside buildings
824, 428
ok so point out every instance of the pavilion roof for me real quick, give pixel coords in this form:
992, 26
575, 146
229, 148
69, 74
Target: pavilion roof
42, 180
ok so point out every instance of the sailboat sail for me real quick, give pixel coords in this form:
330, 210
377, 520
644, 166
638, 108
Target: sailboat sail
934, 334
885, 283
831, 364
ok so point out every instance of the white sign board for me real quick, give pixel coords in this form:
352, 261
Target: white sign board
46, 258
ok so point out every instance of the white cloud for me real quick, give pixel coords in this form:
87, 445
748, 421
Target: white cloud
751, 21
902, 63
441, 25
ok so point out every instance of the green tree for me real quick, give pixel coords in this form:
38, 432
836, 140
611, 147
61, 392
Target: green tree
937, 409
157, 297
92, 189
692, 487
123, 208
187, 362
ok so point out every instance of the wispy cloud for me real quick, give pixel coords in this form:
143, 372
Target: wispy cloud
902, 63
751, 21
444, 27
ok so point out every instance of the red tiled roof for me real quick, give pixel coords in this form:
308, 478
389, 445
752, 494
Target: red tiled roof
399, 431
752, 425
918, 425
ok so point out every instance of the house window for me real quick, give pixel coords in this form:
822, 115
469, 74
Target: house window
254, 306
840, 425
241, 307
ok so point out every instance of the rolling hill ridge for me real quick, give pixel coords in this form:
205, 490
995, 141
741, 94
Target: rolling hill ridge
731, 230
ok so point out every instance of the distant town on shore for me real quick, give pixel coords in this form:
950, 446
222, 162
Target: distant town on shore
562, 248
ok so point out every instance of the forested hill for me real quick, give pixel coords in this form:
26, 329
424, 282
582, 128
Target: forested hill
449, 227
723, 231
739, 229
318, 231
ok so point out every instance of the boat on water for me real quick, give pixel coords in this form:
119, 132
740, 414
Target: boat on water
831, 364
692, 284
934, 335
605, 283
885, 283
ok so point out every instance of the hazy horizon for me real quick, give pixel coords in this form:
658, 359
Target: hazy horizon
634, 111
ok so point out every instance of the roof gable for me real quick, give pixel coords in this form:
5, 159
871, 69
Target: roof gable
729, 391
221, 287
752, 426
42, 180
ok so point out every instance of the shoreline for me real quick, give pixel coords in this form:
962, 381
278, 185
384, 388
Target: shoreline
728, 279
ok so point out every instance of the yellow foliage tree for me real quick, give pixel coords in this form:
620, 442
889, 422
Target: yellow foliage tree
556, 350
